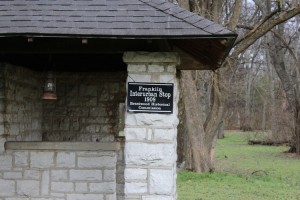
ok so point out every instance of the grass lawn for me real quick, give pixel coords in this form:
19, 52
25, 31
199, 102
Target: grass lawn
244, 172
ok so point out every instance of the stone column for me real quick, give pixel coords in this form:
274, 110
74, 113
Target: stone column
150, 148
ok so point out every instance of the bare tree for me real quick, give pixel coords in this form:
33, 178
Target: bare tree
202, 132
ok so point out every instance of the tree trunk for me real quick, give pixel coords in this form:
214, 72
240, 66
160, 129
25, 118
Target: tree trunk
271, 84
221, 134
200, 147
292, 94
297, 128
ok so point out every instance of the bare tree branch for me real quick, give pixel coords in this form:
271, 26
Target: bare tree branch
288, 48
262, 29
235, 14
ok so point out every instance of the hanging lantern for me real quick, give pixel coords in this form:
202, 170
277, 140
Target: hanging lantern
50, 87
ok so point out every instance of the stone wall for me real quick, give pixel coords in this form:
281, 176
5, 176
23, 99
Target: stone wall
58, 174
150, 148
21, 105
87, 107
2, 108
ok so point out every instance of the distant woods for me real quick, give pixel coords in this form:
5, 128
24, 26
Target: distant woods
258, 85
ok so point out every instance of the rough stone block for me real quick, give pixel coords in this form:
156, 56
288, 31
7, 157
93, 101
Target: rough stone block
163, 78
28, 188
85, 175
65, 159
139, 78
165, 134
110, 197
32, 174
88, 90
109, 175
42, 159
104, 188
62, 187
81, 187
156, 197
1, 126
2, 142
171, 69
135, 134
21, 159
59, 175
135, 174
5, 162
145, 119
97, 162
136, 68
45, 181
85, 197
162, 182
146, 154
156, 68
12, 175
135, 188
14, 129
7, 188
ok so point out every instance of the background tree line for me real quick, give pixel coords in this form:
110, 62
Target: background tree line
257, 87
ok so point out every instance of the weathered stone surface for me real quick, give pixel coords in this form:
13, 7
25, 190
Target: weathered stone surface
166, 78
81, 187
145, 119
165, 134
139, 78
85, 197
12, 175
32, 174
104, 188
65, 159
62, 187
109, 175
171, 68
5, 162
142, 154
97, 162
135, 174
42, 159
45, 182
85, 175
135, 134
111, 197
28, 188
7, 188
2, 142
151, 152
162, 182
136, 68
59, 175
156, 68
134, 188
156, 197
21, 159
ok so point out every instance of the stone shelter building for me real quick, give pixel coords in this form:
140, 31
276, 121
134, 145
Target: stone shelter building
111, 131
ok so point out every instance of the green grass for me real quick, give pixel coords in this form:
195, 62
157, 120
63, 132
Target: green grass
244, 172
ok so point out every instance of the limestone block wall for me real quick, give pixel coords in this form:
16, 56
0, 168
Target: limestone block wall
2, 109
150, 148
86, 108
57, 174
20, 104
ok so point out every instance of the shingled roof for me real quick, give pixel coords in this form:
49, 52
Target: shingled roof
113, 22
104, 18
